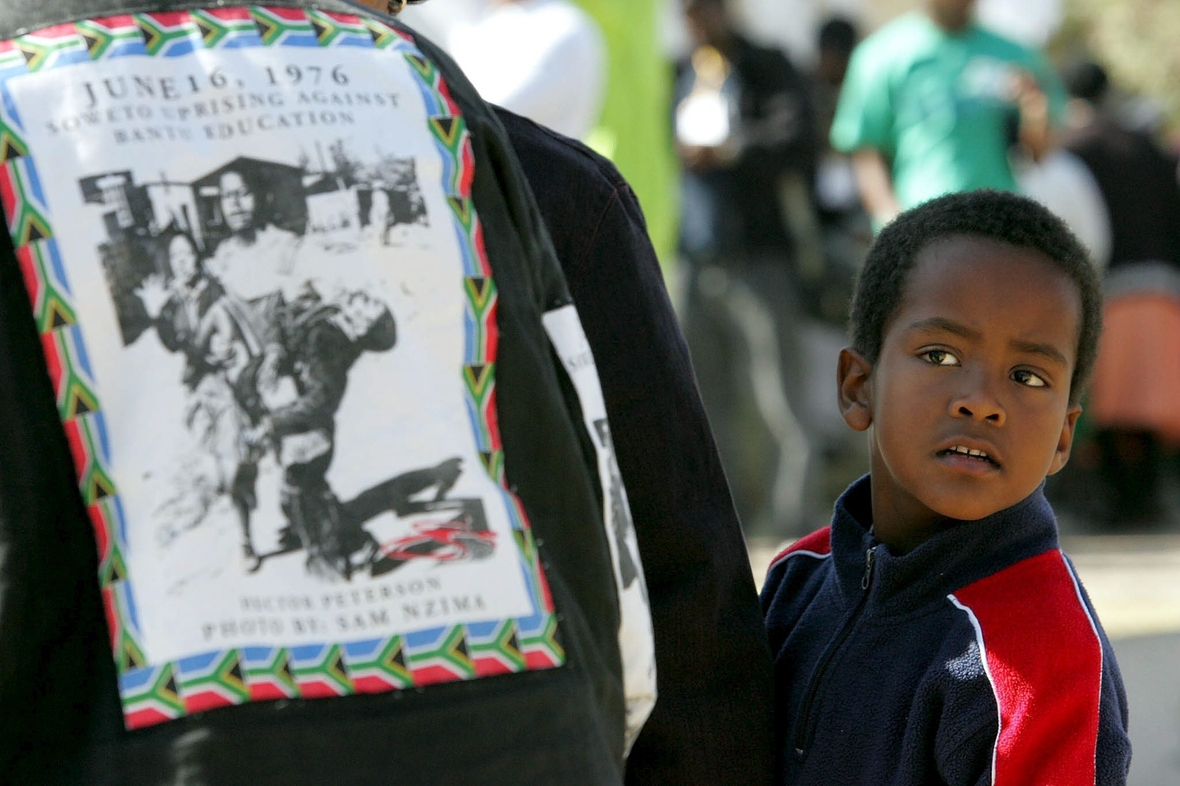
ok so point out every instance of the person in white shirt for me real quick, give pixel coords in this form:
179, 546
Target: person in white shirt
544, 59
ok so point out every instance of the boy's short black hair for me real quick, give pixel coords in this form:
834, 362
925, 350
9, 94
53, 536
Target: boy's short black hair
997, 215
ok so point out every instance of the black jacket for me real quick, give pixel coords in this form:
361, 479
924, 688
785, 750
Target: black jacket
61, 719
712, 720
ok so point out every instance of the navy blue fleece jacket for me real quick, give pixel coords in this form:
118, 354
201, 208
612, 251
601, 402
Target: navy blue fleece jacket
974, 659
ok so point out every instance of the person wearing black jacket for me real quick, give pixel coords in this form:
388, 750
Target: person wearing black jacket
711, 723
130, 661
543, 726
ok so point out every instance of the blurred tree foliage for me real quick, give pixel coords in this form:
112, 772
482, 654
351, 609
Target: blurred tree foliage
1138, 41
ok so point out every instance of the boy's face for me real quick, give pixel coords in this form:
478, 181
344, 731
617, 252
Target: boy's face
977, 359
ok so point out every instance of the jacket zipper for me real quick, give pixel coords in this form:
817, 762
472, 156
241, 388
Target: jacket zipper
804, 730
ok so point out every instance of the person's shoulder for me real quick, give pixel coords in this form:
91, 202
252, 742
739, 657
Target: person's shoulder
817, 545
584, 200
894, 45
909, 27
1042, 591
998, 44
1032, 618
795, 577
542, 149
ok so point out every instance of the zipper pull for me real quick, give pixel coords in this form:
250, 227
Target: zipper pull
867, 578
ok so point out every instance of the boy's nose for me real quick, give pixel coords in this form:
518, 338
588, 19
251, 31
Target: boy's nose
979, 402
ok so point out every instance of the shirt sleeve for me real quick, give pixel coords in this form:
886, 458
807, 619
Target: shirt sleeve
712, 722
970, 759
864, 112
779, 134
1051, 84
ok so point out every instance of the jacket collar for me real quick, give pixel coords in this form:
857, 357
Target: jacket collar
953, 558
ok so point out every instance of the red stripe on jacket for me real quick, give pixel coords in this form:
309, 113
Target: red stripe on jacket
1044, 659
818, 543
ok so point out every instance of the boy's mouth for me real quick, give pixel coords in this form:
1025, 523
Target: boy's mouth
970, 453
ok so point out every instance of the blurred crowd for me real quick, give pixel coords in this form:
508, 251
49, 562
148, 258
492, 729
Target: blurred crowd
764, 172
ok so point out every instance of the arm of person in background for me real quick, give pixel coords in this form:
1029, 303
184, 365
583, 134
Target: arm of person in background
863, 127
1041, 100
875, 185
1035, 128
712, 722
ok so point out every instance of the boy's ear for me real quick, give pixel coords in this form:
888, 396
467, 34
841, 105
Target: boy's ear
1065, 441
853, 389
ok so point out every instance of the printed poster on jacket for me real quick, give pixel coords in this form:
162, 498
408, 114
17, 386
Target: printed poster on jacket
251, 249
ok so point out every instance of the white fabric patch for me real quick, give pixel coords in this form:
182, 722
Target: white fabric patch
636, 642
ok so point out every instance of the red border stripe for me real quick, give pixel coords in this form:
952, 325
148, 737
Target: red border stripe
1044, 659
170, 21
817, 543
239, 14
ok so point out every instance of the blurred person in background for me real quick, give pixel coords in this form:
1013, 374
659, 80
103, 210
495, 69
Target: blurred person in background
1136, 387
745, 137
833, 245
933, 104
543, 59
843, 227
1063, 183
835, 187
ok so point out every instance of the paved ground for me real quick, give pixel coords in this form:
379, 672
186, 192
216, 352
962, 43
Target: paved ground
1150, 673
1134, 583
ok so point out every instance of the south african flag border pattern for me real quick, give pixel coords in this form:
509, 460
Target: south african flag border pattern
157, 692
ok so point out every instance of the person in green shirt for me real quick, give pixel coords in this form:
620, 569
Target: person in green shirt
934, 104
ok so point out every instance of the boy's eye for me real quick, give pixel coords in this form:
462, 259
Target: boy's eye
1026, 377
939, 357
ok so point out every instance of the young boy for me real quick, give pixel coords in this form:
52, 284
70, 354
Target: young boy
935, 633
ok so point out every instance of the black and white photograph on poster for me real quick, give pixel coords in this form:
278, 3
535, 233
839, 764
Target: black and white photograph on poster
265, 371
620, 513
247, 207
276, 320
